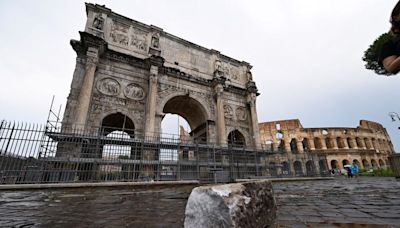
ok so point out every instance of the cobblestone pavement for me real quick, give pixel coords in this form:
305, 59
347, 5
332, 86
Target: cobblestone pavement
363, 202
96, 207
357, 202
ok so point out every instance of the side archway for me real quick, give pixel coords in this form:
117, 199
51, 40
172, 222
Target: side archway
236, 138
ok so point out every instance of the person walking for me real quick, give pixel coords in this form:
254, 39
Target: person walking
348, 170
354, 169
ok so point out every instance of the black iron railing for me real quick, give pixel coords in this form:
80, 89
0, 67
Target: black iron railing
33, 153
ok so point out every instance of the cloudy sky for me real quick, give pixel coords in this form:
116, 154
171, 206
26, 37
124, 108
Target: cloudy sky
306, 54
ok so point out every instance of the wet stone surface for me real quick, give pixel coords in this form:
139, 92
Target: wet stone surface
371, 201
97, 207
357, 202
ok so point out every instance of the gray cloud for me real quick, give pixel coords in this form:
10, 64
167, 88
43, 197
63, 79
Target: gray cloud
306, 54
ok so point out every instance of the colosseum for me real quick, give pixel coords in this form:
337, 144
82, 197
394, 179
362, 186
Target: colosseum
368, 145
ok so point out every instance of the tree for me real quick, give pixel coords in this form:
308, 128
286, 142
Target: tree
371, 55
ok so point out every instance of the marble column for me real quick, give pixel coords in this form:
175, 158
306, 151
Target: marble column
151, 102
287, 144
345, 144
251, 99
334, 143
275, 146
85, 93
368, 144
311, 144
323, 143
221, 135
300, 148
363, 144
353, 143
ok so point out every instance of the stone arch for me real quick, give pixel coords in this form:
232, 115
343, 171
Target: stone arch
200, 101
373, 142
365, 164
117, 121
310, 168
298, 169
322, 166
350, 143
235, 137
328, 143
360, 143
357, 162
285, 168
281, 146
190, 109
306, 144
118, 128
334, 164
385, 145
381, 163
340, 142
317, 143
293, 145
345, 162
367, 143
268, 144
272, 169
374, 164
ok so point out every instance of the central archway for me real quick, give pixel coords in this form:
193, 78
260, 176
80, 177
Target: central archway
193, 112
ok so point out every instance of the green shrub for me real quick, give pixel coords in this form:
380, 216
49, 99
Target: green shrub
371, 55
383, 172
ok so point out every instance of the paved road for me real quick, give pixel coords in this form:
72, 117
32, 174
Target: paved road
99, 207
373, 201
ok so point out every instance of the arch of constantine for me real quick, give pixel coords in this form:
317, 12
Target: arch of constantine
128, 75
368, 145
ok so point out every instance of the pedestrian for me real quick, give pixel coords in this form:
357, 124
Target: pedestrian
389, 56
354, 169
348, 170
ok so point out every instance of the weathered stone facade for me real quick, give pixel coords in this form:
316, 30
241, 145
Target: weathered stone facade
129, 75
369, 144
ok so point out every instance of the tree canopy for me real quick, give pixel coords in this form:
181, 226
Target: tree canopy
371, 55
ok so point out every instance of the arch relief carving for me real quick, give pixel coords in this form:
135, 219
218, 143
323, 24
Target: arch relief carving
134, 91
109, 86
228, 111
241, 113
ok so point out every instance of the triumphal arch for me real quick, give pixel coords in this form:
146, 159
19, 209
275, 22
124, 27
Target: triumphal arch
129, 75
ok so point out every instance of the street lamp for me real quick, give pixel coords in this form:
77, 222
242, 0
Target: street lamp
394, 116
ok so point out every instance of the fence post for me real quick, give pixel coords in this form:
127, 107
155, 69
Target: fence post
197, 160
256, 163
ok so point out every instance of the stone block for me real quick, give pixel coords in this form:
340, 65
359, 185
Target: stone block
248, 204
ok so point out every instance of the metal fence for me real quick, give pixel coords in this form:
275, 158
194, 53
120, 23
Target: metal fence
33, 153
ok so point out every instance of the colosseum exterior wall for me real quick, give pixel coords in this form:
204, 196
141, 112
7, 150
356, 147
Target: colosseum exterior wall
368, 144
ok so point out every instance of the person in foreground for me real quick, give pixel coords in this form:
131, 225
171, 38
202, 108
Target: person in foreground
389, 55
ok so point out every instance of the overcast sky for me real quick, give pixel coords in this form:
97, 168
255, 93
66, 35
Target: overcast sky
306, 55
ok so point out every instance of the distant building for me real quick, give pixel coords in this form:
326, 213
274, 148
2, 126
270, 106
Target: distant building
368, 145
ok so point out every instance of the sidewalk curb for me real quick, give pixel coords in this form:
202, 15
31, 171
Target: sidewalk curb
288, 179
88, 185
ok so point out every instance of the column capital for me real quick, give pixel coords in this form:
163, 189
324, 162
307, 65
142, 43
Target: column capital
251, 99
218, 90
92, 56
153, 74
252, 88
